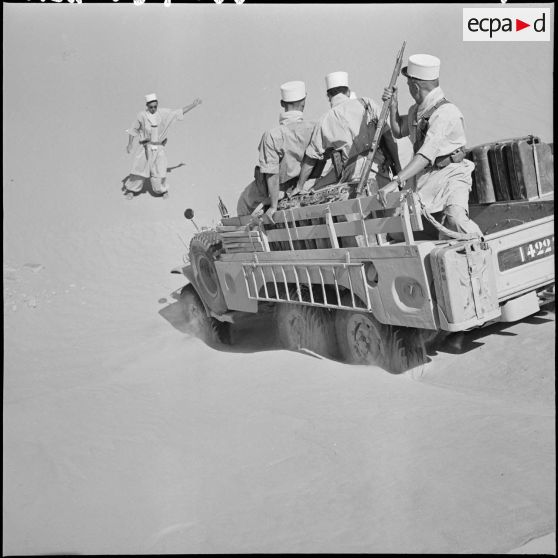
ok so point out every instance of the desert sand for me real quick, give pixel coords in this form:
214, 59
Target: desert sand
123, 433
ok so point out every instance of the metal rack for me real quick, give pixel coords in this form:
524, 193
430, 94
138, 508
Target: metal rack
273, 281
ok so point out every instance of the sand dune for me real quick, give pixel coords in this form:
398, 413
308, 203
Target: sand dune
122, 433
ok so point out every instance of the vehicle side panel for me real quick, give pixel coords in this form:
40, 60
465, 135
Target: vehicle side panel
523, 257
400, 296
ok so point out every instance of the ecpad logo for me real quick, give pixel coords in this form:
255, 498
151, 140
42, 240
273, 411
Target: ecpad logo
506, 24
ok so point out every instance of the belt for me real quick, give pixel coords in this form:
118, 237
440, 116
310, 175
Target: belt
146, 142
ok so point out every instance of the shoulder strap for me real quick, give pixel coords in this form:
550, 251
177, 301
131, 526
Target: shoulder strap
368, 110
426, 116
422, 123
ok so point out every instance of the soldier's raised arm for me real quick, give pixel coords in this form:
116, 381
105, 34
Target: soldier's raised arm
399, 123
189, 107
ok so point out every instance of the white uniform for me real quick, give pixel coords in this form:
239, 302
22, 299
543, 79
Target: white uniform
150, 159
281, 151
443, 189
348, 129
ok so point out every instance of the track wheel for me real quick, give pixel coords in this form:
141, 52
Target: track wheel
361, 338
305, 327
208, 329
205, 248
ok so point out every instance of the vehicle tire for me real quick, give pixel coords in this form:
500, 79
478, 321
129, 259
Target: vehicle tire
208, 329
305, 327
361, 338
205, 248
408, 352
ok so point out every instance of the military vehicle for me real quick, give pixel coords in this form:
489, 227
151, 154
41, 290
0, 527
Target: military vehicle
349, 277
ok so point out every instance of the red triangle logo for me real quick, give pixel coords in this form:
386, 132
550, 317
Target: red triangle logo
519, 25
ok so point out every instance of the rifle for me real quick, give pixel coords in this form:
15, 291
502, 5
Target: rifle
381, 122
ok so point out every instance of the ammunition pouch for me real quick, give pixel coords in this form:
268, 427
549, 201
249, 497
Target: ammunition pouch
454, 157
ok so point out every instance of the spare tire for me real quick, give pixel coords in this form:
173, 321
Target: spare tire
205, 248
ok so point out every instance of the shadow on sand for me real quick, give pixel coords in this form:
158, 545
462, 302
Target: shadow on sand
465, 341
250, 334
257, 333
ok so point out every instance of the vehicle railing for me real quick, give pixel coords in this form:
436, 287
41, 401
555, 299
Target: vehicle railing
307, 283
331, 225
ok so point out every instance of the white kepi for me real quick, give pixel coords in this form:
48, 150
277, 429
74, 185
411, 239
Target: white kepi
150, 97
293, 91
337, 79
422, 66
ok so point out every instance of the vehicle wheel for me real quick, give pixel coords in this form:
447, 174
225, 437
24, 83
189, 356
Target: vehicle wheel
361, 338
305, 327
205, 248
408, 350
208, 329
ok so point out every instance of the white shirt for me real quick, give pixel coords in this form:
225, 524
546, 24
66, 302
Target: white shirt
282, 148
154, 127
446, 127
344, 127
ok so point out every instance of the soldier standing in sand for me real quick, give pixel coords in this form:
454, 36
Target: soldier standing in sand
150, 161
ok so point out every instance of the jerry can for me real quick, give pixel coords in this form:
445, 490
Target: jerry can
482, 179
545, 163
465, 285
520, 156
499, 172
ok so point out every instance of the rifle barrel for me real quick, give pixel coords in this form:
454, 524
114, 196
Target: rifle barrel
381, 122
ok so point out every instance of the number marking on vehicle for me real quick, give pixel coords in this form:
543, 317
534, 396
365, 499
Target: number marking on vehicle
525, 253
